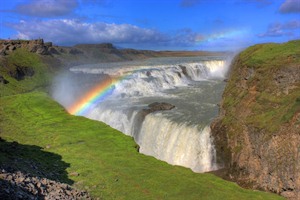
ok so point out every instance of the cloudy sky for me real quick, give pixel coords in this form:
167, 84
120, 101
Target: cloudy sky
153, 24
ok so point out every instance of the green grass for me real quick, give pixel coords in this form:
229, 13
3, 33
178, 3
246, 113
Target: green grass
270, 107
272, 55
21, 57
107, 160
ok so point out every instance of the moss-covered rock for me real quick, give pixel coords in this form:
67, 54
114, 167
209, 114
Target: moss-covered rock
23, 71
258, 131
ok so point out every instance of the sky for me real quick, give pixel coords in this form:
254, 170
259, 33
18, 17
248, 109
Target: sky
213, 25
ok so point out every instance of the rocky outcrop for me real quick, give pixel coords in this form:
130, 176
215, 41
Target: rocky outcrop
184, 71
69, 56
35, 46
156, 106
23, 176
140, 117
23, 186
20, 72
257, 134
153, 107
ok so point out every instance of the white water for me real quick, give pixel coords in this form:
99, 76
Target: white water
177, 143
180, 136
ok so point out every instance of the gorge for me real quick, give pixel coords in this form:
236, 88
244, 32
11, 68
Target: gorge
257, 134
254, 140
180, 136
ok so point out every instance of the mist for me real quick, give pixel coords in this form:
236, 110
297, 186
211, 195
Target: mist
194, 85
68, 86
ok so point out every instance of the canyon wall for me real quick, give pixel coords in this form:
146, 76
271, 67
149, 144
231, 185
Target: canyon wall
257, 134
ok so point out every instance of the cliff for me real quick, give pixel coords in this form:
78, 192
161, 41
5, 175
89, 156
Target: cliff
257, 134
41, 143
35, 46
21, 60
88, 53
76, 55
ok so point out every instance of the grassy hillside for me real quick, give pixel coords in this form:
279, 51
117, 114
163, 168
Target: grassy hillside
88, 153
24, 72
264, 82
258, 133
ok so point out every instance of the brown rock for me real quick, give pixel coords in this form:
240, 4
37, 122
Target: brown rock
184, 71
35, 46
156, 106
252, 154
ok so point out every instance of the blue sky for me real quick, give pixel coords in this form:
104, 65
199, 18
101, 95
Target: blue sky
153, 24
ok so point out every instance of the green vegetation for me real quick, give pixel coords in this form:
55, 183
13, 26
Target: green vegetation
271, 56
106, 160
262, 90
23, 59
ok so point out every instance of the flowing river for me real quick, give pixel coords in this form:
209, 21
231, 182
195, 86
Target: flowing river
180, 136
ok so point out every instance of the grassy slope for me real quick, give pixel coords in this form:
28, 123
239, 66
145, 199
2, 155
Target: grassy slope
271, 107
107, 161
21, 57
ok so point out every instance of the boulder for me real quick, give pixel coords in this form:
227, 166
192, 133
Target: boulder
156, 106
160, 106
184, 71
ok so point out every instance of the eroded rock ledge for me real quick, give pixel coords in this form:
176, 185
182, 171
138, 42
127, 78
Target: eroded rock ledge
35, 46
257, 134
157, 106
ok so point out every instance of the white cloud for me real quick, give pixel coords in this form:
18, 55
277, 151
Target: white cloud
290, 28
185, 37
295, 24
65, 31
290, 6
71, 31
47, 8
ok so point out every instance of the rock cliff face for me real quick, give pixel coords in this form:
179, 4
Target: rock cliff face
34, 46
88, 53
257, 134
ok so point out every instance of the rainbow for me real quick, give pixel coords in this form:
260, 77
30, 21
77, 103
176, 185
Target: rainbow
97, 94
221, 35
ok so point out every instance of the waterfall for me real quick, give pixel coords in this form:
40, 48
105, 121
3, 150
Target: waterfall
177, 144
177, 136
